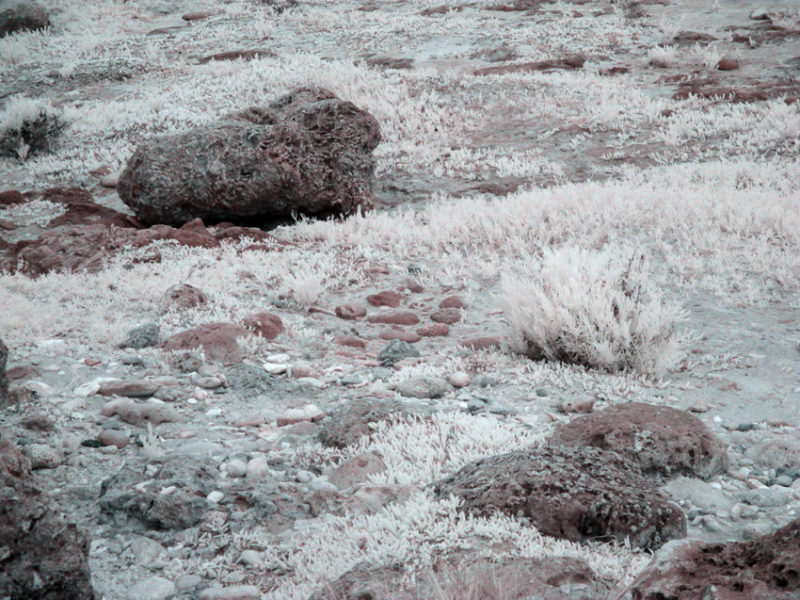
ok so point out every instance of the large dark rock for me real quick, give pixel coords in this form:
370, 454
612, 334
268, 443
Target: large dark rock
767, 568
664, 441
42, 554
3, 376
308, 152
21, 15
571, 493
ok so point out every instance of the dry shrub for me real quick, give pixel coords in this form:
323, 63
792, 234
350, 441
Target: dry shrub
595, 310
28, 127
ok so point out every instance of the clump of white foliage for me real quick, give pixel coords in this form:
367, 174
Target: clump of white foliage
592, 309
28, 126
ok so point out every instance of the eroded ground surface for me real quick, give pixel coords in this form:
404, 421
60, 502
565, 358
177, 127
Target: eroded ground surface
509, 128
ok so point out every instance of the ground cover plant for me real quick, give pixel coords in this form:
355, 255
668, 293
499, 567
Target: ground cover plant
577, 205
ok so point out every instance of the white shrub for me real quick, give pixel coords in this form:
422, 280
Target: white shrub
592, 309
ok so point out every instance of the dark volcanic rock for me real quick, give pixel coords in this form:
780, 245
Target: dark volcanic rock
572, 493
308, 152
662, 440
767, 568
43, 555
21, 15
345, 426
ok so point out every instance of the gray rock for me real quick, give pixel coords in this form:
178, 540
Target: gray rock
308, 152
21, 15
571, 493
424, 387
145, 550
143, 336
152, 588
768, 497
395, 351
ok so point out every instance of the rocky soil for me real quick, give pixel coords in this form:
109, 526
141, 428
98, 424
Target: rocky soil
200, 401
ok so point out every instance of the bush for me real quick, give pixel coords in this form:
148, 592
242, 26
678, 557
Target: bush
28, 127
595, 310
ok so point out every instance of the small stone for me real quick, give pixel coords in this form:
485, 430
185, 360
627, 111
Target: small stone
446, 315
351, 311
236, 468
459, 379
728, 64
542, 393
111, 180
208, 382
239, 592
350, 341
134, 388
275, 368
435, 330
251, 558
266, 325
43, 456
153, 588
385, 298
398, 317
145, 550
700, 406
113, 437
143, 336
215, 497
395, 351
195, 16
576, 406
423, 387
452, 302
783, 480
759, 14
395, 334
746, 426
309, 412
187, 582
257, 468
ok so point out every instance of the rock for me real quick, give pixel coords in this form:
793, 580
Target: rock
482, 343
140, 414
21, 15
351, 311
346, 425
350, 341
397, 317
395, 351
398, 334
356, 470
664, 441
309, 412
145, 550
44, 555
386, 298
423, 387
585, 405
571, 493
218, 341
152, 588
435, 330
699, 494
9, 197
188, 582
275, 368
239, 592
448, 316
452, 302
779, 453
765, 568
768, 497
3, 375
364, 581
459, 379
257, 468
728, 64
136, 388
43, 456
182, 296
308, 152
236, 468
266, 325
251, 558
113, 437
195, 16
143, 336
215, 497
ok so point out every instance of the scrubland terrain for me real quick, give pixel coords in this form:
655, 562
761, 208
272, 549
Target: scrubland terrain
577, 205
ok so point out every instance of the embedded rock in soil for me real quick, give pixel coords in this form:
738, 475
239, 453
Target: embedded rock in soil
767, 568
664, 441
349, 423
139, 494
143, 336
218, 341
43, 555
423, 387
395, 351
571, 493
266, 325
182, 296
3, 375
308, 152
21, 15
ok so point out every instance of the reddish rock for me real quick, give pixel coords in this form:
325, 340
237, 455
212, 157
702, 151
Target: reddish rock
386, 298
482, 343
435, 330
265, 324
399, 317
352, 342
236, 55
182, 296
570, 62
218, 341
446, 315
413, 286
767, 568
139, 388
452, 302
399, 334
9, 197
578, 494
728, 64
351, 311
664, 441
44, 555
83, 210
195, 16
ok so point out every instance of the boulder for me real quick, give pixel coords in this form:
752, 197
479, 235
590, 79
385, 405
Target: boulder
21, 15
664, 441
767, 568
308, 152
576, 494
43, 554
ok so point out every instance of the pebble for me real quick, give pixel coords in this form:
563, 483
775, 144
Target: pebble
275, 368
700, 406
351, 311
423, 387
145, 550
257, 468
279, 358
310, 412
214, 412
768, 497
153, 588
783, 480
43, 456
208, 382
238, 592
236, 468
251, 558
188, 582
113, 437
459, 379
215, 496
